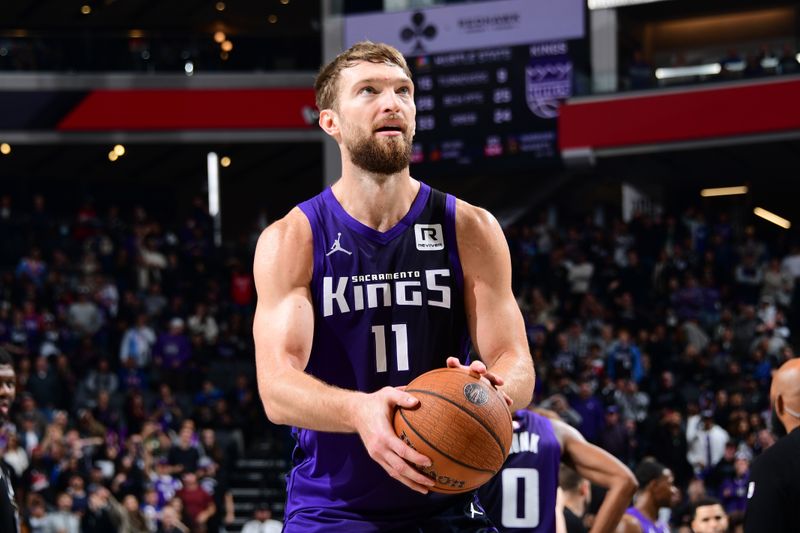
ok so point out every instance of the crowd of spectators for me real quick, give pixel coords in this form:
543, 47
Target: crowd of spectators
133, 356
657, 338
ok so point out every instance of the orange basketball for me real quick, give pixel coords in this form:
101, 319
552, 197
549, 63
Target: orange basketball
462, 424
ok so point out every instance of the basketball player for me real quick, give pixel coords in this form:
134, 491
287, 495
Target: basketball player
774, 490
522, 496
708, 516
9, 517
361, 289
656, 489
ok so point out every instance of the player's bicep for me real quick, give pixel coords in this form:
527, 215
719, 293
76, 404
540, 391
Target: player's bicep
494, 318
283, 325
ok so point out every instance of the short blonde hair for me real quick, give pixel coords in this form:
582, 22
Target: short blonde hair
326, 86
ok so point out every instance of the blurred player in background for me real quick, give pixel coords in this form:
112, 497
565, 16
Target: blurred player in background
522, 496
708, 516
361, 289
656, 490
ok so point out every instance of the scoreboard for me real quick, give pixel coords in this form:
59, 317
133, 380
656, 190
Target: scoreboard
490, 106
489, 77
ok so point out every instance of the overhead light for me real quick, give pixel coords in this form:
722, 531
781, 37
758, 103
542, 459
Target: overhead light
5, 148
86, 9
682, 72
220, 6
797, 57
724, 191
284, 2
735, 66
188, 68
219, 37
273, 19
119, 150
226, 46
607, 4
225, 161
772, 217
112, 156
223, 56
136, 34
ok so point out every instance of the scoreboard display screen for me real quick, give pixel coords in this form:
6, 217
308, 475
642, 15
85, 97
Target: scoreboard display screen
490, 106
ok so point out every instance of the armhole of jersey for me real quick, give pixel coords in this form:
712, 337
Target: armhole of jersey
450, 232
310, 211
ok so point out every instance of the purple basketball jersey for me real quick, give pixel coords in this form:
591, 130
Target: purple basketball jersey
648, 526
522, 496
388, 306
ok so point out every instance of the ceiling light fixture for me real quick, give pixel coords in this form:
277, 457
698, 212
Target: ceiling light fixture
772, 217
724, 191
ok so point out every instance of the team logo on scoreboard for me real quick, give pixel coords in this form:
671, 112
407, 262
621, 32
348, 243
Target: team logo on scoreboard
417, 32
547, 83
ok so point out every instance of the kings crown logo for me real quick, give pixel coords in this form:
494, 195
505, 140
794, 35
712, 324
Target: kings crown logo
476, 394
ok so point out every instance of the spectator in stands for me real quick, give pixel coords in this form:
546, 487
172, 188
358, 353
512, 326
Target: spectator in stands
706, 441
262, 521
733, 491
137, 343
198, 504
184, 456
590, 408
203, 324
172, 353
63, 519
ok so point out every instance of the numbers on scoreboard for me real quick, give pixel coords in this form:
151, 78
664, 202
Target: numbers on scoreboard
502, 115
502, 95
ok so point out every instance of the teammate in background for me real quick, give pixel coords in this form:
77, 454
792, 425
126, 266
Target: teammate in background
9, 516
773, 494
656, 489
361, 289
522, 496
708, 516
577, 497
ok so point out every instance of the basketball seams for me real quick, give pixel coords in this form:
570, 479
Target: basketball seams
431, 446
467, 411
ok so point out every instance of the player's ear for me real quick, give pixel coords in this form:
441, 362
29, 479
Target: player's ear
329, 122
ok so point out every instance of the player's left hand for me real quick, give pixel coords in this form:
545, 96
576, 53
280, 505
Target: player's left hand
479, 368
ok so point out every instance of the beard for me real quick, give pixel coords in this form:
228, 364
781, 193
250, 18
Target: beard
386, 156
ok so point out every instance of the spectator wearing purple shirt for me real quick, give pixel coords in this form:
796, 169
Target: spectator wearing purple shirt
591, 410
172, 353
733, 491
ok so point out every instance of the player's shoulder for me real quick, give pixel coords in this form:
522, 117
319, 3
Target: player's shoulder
471, 217
285, 241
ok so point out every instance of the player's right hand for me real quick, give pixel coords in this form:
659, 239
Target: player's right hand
373, 414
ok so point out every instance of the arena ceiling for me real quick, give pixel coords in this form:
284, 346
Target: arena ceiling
294, 17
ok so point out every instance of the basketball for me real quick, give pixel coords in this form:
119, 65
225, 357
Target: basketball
462, 423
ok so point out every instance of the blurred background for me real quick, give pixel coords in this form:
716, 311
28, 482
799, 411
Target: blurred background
641, 155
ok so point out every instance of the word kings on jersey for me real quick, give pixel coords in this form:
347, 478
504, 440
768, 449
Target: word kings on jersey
355, 293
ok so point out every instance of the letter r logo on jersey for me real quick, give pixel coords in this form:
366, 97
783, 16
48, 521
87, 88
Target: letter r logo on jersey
429, 236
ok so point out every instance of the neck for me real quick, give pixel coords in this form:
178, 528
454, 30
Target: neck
376, 201
575, 503
647, 506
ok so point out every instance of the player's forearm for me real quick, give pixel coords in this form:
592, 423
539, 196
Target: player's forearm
617, 499
516, 370
294, 398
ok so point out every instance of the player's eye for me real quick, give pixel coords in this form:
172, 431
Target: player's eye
367, 90
404, 90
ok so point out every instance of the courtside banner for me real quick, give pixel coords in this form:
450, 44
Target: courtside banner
475, 25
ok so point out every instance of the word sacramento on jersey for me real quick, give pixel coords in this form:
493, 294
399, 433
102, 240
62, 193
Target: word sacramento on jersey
355, 293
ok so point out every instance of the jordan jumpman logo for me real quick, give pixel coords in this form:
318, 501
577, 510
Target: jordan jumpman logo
338, 247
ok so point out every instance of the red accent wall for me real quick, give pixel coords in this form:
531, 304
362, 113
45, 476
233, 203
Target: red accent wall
696, 113
182, 109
